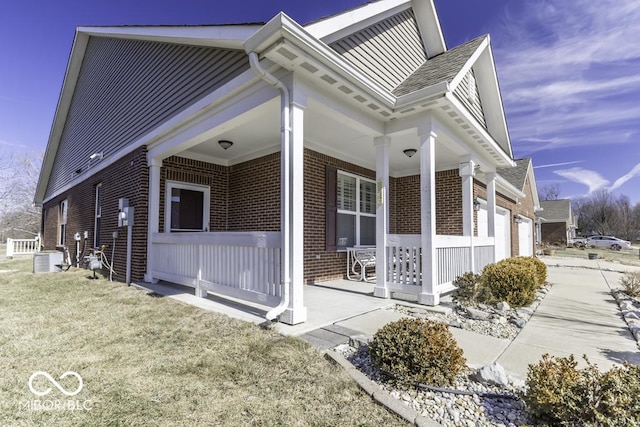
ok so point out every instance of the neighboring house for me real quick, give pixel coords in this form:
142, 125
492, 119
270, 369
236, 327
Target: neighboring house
255, 155
557, 223
523, 209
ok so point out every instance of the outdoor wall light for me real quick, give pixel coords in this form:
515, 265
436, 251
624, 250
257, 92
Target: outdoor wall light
476, 204
410, 152
517, 219
225, 144
96, 156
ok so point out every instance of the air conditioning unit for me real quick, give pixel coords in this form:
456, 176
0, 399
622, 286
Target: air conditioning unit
47, 262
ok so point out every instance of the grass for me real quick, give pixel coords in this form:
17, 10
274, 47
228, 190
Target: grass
148, 361
625, 256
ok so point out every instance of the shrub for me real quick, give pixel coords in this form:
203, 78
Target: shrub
630, 283
467, 288
513, 282
539, 267
415, 350
559, 393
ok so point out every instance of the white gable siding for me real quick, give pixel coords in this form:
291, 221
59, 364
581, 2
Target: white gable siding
467, 92
126, 88
388, 51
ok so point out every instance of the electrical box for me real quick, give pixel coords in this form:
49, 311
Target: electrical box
76, 237
86, 235
125, 217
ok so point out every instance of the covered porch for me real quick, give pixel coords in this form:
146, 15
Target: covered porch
355, 165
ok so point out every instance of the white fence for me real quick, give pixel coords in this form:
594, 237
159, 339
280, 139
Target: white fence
22, 246
243, 265
453, 258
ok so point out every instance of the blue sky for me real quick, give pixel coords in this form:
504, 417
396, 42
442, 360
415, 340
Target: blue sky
569, 71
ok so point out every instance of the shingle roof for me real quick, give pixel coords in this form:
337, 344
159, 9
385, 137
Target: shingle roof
440, 68
516, 176
556, 210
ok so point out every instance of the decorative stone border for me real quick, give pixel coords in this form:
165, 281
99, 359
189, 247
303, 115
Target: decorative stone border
381, 396
630, 308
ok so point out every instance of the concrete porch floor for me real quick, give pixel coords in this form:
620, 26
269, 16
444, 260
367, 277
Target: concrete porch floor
327, 303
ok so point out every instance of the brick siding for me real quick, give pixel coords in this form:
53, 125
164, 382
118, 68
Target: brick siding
128, 177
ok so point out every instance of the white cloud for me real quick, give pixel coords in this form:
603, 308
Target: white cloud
626, 177
568, 71
553, 165
592, 179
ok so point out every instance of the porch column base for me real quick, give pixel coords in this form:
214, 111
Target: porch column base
150, 279
293, 317
381, 292
201, 292
428, 299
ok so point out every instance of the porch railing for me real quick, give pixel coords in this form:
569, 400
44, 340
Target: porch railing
453, 258
22, 246
244, 265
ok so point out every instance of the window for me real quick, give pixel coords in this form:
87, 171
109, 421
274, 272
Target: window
62, 222
356, 211
96, 230
187, 207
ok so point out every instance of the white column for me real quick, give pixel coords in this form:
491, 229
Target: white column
296, 312
153, 213
491, 207
467, 172
429, 294
382, 214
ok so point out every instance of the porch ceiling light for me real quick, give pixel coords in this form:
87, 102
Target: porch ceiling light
476, 204
225, 143
410, 152
96, 156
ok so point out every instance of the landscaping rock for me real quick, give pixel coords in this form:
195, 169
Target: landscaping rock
492, 374
477, 314
503, 306
519, 322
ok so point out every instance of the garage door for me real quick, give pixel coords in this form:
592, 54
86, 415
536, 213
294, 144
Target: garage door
525, 237
503, 230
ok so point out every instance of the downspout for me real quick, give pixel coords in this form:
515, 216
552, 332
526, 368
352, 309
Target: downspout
285, 233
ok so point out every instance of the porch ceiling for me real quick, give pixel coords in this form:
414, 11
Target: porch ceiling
257, 133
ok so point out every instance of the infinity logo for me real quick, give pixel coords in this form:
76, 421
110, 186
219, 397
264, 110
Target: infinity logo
55, 383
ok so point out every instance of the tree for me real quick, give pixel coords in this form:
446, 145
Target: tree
604, 213
19, 217
549, 192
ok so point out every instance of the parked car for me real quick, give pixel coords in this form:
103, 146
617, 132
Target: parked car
607, 242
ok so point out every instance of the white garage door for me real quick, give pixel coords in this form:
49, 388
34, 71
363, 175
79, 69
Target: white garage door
503, 230
525, 237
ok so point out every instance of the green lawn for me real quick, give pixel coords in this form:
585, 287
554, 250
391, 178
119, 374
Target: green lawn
149, 361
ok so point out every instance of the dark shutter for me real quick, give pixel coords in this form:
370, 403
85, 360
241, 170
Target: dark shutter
331, 217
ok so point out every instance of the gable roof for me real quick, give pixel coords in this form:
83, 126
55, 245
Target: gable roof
308, 50
556, 210
517, 175
440, 68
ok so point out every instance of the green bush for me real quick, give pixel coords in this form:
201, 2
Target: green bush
511, 281
559, 393
415, 350
630, 283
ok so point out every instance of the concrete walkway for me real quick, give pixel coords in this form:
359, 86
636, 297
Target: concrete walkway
578, 316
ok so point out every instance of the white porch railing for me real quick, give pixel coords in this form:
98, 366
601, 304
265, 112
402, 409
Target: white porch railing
22, 246
243, 265
453, 258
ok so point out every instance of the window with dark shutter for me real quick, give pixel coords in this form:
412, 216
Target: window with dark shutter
331, 193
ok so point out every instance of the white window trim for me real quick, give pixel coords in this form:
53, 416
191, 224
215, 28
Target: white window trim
63, 212
98, 215
170, 185
357, 213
